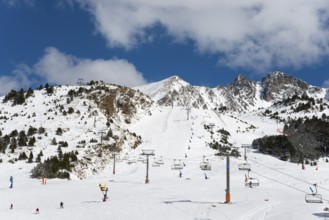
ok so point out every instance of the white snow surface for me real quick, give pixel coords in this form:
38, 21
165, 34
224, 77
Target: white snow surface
169, 133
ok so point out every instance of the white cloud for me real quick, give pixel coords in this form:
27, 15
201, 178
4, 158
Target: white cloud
326, 84
14, 3
59, 68
17, 80
253, 34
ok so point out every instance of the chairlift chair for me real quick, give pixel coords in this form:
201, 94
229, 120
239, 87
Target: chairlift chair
244, 166
251, 181
177, 165
131, 160
313, 197
118, 159
125, 157
155, 163
140, 158
160, 161
205, 165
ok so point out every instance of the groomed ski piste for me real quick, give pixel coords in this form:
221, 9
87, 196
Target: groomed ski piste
174, 137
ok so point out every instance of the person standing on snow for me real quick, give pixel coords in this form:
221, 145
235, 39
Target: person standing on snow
61, 205
105, 195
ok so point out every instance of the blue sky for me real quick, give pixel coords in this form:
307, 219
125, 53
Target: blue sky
133, 42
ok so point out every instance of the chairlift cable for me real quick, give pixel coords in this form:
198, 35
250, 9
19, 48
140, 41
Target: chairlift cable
289, 175
285, 184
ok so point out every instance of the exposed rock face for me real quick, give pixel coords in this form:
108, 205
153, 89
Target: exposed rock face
278, 86
241, 93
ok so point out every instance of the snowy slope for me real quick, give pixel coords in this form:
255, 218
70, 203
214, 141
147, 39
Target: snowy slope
177, 136
280, 195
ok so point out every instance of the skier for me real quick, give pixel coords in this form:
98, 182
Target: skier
11, 181
37, 211
105, 195
180, 174
61, 205
11, 206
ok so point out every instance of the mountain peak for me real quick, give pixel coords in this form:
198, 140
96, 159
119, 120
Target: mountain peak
175, 81
279, 85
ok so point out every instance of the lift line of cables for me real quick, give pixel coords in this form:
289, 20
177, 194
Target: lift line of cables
287, 174
277, 181
284, 184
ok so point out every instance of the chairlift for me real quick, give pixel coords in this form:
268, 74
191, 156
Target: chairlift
155, 163
205, 165
158, 161
244, 166
313, 197
131, 160
125, 157
118, 159
251, 181
141, 158
177, 165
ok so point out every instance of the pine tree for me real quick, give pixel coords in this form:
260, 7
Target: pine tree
13, 144
60, 153
22, 156
14, 133
22, 139
31, 131
38, 159
53, 141
41, 130
30, 160
31, 141
59, 131
29, 93
20, 98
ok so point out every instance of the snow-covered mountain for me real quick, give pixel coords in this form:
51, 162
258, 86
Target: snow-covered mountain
95, 120
241, 95
80, 128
